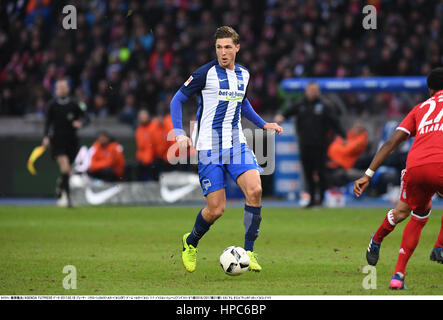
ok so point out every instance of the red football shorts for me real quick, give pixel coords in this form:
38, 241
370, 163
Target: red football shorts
419, 184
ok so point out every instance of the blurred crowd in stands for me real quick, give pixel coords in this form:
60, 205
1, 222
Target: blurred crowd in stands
127, 55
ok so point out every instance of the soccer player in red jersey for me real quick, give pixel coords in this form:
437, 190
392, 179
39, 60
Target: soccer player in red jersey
421, 179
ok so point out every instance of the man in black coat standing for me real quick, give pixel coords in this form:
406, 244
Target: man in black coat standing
64, 115
315, 119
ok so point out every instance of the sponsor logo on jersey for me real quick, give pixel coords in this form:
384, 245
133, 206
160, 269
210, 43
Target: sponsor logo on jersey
230, 95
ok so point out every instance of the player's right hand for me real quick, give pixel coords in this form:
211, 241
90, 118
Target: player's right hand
183, 141
45, 142
360, 185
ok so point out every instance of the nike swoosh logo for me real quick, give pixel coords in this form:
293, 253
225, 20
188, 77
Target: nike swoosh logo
174, 195
100, 197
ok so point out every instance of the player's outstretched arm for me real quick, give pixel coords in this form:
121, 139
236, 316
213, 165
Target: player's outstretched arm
176, 114
249, 113
361, 184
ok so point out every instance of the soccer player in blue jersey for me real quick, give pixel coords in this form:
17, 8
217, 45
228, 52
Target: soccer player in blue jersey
221, 87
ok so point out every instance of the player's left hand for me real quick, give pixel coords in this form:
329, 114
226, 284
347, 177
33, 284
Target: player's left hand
183, 142
77, 124
273, 126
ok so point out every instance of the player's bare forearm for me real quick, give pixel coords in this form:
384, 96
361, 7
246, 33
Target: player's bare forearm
397, 137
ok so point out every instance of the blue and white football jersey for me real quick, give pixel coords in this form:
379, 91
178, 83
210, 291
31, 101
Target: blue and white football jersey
220, 94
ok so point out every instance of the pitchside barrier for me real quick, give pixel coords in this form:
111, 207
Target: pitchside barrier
288, 175
173, 187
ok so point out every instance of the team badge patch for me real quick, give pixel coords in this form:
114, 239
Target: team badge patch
206, 184
318, 108
188, 81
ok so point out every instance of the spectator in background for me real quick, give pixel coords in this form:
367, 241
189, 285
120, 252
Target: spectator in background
141, 35
40, 108
8, 102
162, 130
161, 58
107, 159
37, 8
315, 119
145, 147
100, 108
129, 113
148, 92
344, 153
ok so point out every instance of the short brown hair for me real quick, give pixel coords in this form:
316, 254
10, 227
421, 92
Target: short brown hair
227, 32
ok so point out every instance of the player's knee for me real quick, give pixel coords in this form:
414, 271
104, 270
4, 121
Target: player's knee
254, 193
216, 211
400, 215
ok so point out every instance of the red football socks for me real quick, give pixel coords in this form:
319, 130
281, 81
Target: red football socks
385, 228
411, 236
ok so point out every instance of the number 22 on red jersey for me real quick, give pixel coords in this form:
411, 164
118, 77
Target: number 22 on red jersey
425, 123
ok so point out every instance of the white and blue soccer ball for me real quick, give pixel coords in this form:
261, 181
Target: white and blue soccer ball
234, 260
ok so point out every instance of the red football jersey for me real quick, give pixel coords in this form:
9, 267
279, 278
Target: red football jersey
425, 123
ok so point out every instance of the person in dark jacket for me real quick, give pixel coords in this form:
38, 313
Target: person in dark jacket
64, 115
315, 120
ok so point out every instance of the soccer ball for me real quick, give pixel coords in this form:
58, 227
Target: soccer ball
234, 261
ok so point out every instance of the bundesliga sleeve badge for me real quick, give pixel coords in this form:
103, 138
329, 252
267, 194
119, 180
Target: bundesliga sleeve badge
188, 81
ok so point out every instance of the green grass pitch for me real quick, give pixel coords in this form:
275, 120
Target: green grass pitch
137, 251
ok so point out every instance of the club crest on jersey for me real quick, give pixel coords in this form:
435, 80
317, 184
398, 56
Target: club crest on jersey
206, 184
318, 108
188, 81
